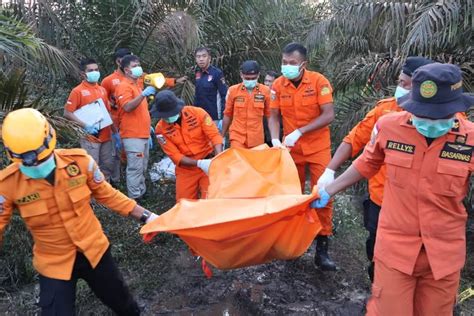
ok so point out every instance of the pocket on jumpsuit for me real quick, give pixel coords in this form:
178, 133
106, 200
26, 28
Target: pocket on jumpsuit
35, 214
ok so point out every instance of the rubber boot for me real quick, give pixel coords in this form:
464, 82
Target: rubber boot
321, 258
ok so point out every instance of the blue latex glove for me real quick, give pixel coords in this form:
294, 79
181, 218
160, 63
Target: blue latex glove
118, 142
91, 129
148, 91
150, 143
323, 200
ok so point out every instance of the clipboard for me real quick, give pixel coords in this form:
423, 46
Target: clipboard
95, 113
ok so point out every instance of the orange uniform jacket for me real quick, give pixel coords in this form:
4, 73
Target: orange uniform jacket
423, 195
84, 94
359, 136
111, 82
193, 138
299, 106
247, 110
134, 124
60, 217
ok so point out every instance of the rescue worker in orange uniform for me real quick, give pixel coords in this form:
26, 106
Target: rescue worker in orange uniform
134, 124
98, 144
246, 105
304, 100
421, 235
355, 142
52, 189
110, 83
188, 135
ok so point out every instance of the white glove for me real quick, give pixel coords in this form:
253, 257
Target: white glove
326, 178
152, 217
291, 139
204, 165
276, 143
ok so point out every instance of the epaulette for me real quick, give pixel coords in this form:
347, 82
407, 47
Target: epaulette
8, 171
72, 152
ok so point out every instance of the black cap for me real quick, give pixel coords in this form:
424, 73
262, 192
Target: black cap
413, 63
120, 52
437, 92
250, 67
166, 104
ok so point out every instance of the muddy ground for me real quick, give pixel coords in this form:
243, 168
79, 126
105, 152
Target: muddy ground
167, 279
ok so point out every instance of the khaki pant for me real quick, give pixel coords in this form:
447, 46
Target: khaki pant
137, 162
115, 176
102, 154
396, 293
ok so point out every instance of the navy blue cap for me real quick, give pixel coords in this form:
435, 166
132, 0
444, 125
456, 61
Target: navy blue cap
413, 63
120, 52
166, 104
250, 67
437, 92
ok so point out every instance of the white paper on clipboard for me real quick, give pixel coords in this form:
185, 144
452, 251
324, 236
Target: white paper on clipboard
94, 113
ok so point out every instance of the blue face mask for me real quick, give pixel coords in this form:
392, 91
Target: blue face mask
93, 76
172, 119
250, 84
137, 71
290, 71
432, 128
40, 171
400, 92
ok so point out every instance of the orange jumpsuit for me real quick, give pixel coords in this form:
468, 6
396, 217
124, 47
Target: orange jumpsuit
247, 108
111, 82
193, 136
298, 107
420, 247
60, 217
84, 94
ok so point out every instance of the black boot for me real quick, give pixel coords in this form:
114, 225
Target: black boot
321, 258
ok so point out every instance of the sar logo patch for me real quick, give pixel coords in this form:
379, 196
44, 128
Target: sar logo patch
461, 139
2, 200
404, 148
161, 139
457, 152
73, 170
208, 121
428, 89
325, 91
98, 176
28, 198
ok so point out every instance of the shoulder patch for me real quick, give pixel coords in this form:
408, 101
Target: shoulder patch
98, 176
208, 120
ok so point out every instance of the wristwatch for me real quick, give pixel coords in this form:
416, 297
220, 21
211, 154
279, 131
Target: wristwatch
145, 216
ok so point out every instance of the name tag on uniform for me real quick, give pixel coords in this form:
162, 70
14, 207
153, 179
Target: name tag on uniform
459, 152
75, 182
259, 98
28, 198
239, 99
404, 148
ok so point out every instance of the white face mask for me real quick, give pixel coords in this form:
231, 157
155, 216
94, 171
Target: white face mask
400, 92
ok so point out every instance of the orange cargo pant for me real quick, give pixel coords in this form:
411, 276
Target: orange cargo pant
191, 183
397, 293
316, 163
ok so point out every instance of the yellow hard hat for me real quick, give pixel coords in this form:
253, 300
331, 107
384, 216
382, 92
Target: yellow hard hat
27, 136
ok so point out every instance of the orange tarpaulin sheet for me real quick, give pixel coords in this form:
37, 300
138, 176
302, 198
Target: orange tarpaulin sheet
267, 218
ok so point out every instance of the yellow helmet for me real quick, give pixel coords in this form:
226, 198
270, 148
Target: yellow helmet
27, 136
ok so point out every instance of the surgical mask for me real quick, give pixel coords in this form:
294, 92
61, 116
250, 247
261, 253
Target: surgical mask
172, 119
290, 71
93, 76
250, 84
432, 128
40, 171
400, 92
137, 71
